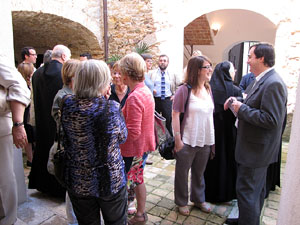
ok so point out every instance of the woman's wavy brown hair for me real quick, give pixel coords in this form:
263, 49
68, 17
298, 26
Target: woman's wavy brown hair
194, 65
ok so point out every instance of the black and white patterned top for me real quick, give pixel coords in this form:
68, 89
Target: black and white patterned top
93, 129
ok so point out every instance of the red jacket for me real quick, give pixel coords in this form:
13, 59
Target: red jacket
139, 117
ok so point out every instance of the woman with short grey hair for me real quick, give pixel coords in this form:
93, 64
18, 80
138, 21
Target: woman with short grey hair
93, 129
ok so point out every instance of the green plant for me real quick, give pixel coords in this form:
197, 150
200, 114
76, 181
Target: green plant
114, 58
142, 48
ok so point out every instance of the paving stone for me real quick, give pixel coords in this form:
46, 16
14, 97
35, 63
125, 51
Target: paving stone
149, 206
149, 176
180, 218
55, 220
159, 179
154, 219
170, 196
20, 222
162, 178
161, 192
193, 220
167, 186
271, 213
152, 169
167, 203
210, 223
166, 222
216, 219
156, 183
153, 198
268, 221
198, 213
33, 214
172, 216
273, 205
149, 188
274, 197
159, 211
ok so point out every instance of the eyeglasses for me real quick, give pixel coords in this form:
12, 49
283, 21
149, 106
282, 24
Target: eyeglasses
33, 54
206, 67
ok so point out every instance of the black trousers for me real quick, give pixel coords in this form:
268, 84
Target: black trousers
113, 208
250, 190
165, 108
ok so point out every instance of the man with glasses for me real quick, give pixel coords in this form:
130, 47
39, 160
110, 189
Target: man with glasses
165, 85
260, 121
28, 55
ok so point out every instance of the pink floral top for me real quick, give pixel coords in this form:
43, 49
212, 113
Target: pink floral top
139, 117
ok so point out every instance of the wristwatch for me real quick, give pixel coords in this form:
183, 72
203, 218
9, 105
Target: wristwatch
18, 124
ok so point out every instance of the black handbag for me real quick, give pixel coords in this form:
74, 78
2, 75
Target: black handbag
166, 148
59, 156
166, 144
164, 141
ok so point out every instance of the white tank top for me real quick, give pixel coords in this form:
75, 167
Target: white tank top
199, 125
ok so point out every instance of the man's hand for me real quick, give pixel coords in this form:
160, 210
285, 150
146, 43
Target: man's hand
19, 136
236, 106
226, 104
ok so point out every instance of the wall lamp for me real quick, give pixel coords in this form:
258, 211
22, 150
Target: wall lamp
215, 27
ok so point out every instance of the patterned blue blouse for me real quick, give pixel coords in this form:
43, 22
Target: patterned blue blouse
93, 129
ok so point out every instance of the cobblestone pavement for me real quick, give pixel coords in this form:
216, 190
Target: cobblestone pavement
159, 178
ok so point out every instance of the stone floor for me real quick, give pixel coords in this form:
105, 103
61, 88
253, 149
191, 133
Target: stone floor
159, 178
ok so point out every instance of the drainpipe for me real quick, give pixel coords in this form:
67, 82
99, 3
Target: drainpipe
105, 30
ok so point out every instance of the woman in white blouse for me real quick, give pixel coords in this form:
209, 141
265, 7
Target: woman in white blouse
194, 135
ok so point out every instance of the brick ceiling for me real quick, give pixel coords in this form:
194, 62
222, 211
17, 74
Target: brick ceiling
198, 32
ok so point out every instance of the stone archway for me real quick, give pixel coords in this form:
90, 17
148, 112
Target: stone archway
43, 31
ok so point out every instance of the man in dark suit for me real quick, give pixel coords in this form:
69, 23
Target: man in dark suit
45, 84
260, 121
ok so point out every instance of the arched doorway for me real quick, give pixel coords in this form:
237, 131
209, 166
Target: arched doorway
43, 31
235, 26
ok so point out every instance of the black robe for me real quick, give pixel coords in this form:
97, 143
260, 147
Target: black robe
220, 173
46, 82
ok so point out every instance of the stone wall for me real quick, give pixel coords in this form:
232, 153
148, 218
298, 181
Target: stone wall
129, 22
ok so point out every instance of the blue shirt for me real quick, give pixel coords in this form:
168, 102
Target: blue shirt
246, 80
149, 83
157, 84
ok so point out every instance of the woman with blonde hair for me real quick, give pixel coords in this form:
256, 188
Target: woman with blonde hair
67, 73
27, 69
119, 90
194, 135
93, 129
139, 116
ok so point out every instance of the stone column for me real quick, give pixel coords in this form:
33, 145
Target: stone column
289, 208
7, 53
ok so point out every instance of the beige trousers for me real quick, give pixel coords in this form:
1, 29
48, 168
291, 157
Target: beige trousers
8, 185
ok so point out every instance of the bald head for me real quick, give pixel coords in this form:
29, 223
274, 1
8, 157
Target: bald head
61, 53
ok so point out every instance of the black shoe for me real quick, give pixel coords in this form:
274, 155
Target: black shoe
232, 221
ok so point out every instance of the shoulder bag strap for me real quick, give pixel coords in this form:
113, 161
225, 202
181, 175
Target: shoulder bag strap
59, 125
189, 87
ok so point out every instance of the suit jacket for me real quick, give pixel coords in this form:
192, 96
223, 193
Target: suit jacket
260, 122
